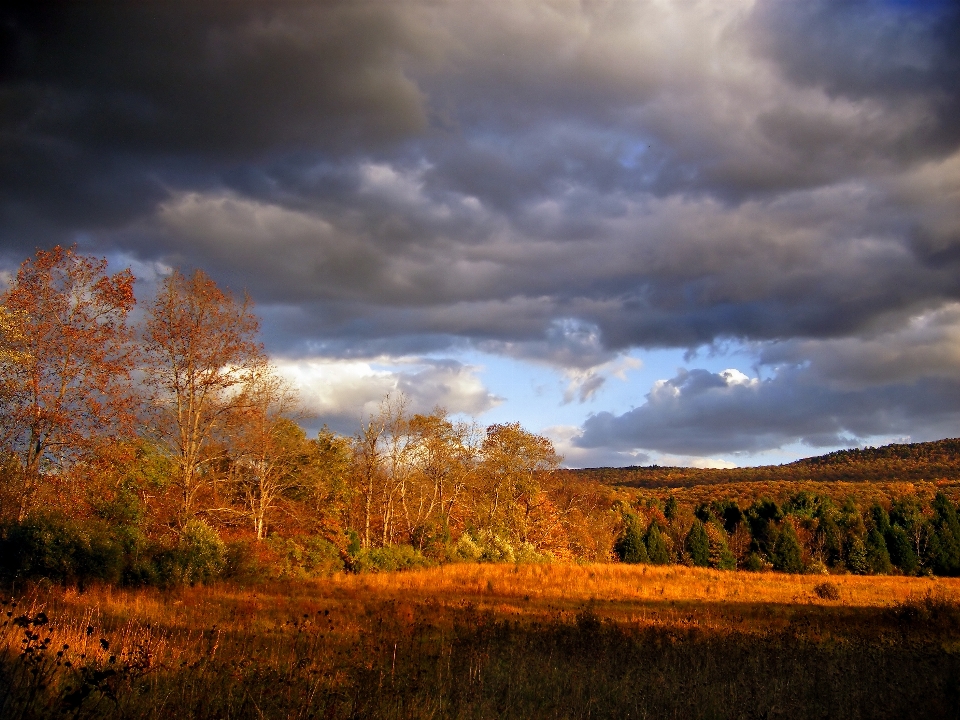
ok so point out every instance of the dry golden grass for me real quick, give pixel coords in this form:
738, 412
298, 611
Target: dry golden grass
489, 640
636, 595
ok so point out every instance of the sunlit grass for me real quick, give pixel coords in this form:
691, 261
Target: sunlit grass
485, 641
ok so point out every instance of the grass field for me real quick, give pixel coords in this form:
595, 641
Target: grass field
490, 641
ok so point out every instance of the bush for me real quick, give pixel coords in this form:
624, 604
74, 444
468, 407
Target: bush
307, 556
755, 563
827, 591
198, 556
60, 549
388, 558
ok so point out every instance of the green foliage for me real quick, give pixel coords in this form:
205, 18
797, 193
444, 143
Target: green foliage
787, 554
945, 544
697, 544
629, 546
829, 534
388, 559
199, 555
60, 549
657, 550
878, 557
492, 547
755, 563
857, 561
305, 556
671, 509
901, 550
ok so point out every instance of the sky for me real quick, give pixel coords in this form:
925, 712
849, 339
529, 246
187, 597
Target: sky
674, 232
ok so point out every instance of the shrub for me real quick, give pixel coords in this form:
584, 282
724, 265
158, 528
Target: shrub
198, 556
242, 563
388, 558
60, 549
307, 556
755, 563
827, 591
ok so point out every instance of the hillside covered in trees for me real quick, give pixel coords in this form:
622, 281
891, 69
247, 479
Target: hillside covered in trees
906, 462
169, 451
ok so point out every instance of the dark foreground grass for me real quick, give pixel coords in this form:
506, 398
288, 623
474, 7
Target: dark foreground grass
370, 657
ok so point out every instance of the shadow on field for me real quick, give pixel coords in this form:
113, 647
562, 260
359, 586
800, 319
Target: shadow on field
396, 660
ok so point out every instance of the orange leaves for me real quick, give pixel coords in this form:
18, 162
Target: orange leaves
70, 388
201, 349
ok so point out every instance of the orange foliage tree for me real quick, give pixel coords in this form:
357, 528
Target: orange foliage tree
67, 362
201, 350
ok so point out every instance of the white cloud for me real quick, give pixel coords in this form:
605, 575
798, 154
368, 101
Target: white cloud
343, 392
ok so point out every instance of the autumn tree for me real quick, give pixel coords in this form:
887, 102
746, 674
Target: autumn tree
66, 357
331, 492
271, 457
201, 349
441, 457
369, 463
514, 464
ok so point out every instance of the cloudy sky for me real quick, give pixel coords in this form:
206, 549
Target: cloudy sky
663, 231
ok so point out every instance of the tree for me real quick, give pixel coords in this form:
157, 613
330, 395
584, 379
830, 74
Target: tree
441, 458
657, 549
878, 557
66, 360
787, 554
514, 464
271, 451
201, 349
629, 546
697, 544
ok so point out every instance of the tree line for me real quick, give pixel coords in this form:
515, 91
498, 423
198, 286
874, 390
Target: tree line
808, 532
157, 443
160, 438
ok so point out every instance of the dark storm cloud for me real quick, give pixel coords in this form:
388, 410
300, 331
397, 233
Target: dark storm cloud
560, 182
183, 90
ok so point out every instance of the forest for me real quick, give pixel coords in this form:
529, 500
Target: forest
155, 444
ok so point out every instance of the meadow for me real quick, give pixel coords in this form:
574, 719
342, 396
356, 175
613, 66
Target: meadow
490, 641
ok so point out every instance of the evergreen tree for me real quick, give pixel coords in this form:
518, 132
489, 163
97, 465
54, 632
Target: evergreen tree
671, 509
945, 544
720, 555
629, 546
697, 544
763, 517
878, 557
857, 556
787, 553
901, 549
657, 551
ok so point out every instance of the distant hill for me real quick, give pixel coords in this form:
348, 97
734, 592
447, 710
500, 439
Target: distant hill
909, 462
